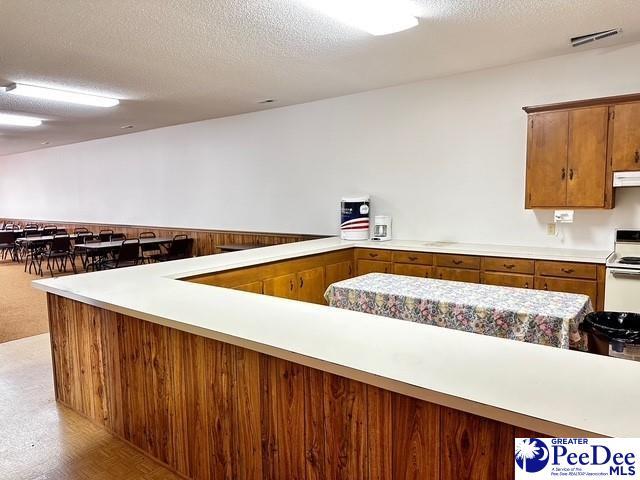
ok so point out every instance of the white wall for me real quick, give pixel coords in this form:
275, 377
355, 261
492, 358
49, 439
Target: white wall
445, 158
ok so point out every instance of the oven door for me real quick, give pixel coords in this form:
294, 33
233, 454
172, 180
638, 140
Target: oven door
622, 290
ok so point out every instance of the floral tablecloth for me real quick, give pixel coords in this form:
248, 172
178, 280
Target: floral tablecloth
535, 316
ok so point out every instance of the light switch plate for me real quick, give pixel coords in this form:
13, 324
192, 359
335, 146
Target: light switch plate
551, 228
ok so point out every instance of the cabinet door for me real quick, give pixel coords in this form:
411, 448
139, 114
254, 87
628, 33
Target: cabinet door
458, 275
584, 287
285, 286
253, 287
547, 145
508, 279
626, 137
587, 157
337, 272
412, 270
311, 285
371, 266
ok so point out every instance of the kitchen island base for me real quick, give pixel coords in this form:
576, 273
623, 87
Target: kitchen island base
213, 410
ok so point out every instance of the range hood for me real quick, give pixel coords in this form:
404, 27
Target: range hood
626, 179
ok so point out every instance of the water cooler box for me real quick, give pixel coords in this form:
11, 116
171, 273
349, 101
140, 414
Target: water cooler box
354, 224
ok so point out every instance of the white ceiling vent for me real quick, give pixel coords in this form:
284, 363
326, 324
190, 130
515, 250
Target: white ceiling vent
592, 37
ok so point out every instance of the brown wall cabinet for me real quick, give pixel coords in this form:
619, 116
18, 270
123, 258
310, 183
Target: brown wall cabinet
567, 159
573, 148
626, 137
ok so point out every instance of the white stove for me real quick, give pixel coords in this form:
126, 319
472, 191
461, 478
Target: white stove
622, 286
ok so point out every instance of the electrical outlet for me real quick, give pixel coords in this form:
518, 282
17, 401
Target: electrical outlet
551, 228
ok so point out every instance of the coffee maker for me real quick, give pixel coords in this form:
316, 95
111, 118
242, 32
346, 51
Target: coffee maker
381, 228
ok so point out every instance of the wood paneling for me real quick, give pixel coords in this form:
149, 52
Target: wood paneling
205, 241
211, 410
476, 448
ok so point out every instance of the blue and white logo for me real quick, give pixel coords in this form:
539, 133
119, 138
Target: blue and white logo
532, 454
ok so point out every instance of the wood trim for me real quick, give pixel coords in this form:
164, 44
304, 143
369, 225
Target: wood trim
210, 409
591, 102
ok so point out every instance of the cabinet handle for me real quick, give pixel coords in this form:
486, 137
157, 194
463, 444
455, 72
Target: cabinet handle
546, 287
571, 174
350, 269
526, 285
637, 156
291, 286
413, 259
373, 255
457, 262
568, 270
510, 266
564, 173
301, 282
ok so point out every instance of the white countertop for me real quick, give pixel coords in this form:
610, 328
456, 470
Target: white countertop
550, 390
539, 253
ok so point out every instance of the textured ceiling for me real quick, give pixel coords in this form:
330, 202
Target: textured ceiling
181, 61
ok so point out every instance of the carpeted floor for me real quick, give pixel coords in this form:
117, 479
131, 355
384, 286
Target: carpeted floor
23, 309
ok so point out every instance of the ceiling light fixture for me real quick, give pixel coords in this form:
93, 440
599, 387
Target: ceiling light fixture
378, 17
19, 120
60, 95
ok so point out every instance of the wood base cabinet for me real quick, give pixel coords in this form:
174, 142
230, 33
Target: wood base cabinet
284, 286
336, 272
508, 279
373, 266
583, 287
413, 270
305, 279
458, 274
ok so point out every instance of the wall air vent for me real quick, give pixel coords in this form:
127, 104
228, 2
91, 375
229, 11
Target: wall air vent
592, 37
